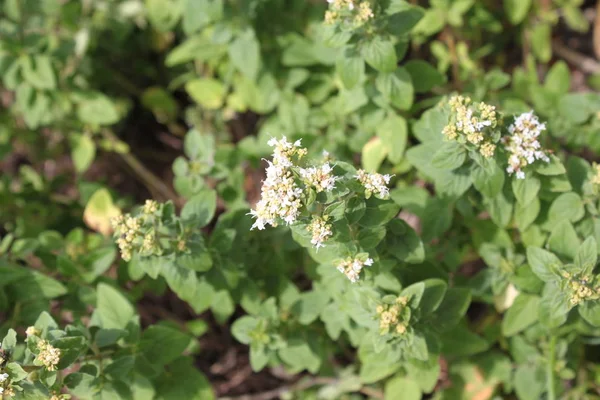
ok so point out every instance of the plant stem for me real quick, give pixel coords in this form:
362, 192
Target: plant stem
550, 368
152, 182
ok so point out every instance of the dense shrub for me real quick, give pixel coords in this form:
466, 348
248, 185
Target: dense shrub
298, 199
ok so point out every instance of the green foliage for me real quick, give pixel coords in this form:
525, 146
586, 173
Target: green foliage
459, 261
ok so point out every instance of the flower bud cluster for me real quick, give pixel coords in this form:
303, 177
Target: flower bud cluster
280, 195
351, 267
128, 229
348, 11
523, 145
320, 178
320, 230
581, 288
49, 356
31, 331
392, 317
374, 183
469, 124
150, 207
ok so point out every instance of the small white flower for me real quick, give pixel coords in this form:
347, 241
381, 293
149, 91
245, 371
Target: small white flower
523, 144
321, 178
321, 231
374, 183
351, 267
3, 377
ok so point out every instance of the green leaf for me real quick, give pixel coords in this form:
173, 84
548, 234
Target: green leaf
10, 340
526, 215
199, 13
71, 347
526, 190
452, 308
590, 311
404, 243
403, 18
107, 337
489, 183
310, 306
81, 385
500, 209
563, 240
83, 152
171, 342
530, 381
558, 80
15, 371
350, 67
554, 167
243, 327
393, 132
259, 357
200, 209
113, 308
567, 206
38, 72
522, 313
541, 36
97, 109
397, 88
244, 53
380, 54
543, 263
99, 211
163, 14
554, 307
378, 212
355, 209
199, 146
424, 76
415, 293
433, 295
181, 381
299, 355
587, 255
461, 342
516, 10
208, 92
195, 48
450, 155
418, 347
373, 154
402, 388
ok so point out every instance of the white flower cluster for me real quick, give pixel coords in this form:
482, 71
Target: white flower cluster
349, 11
321, 178
469, 122
351, 267
3, 377
523, 144
280, 195
49, 355
321, 231
128, 229
374, 183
